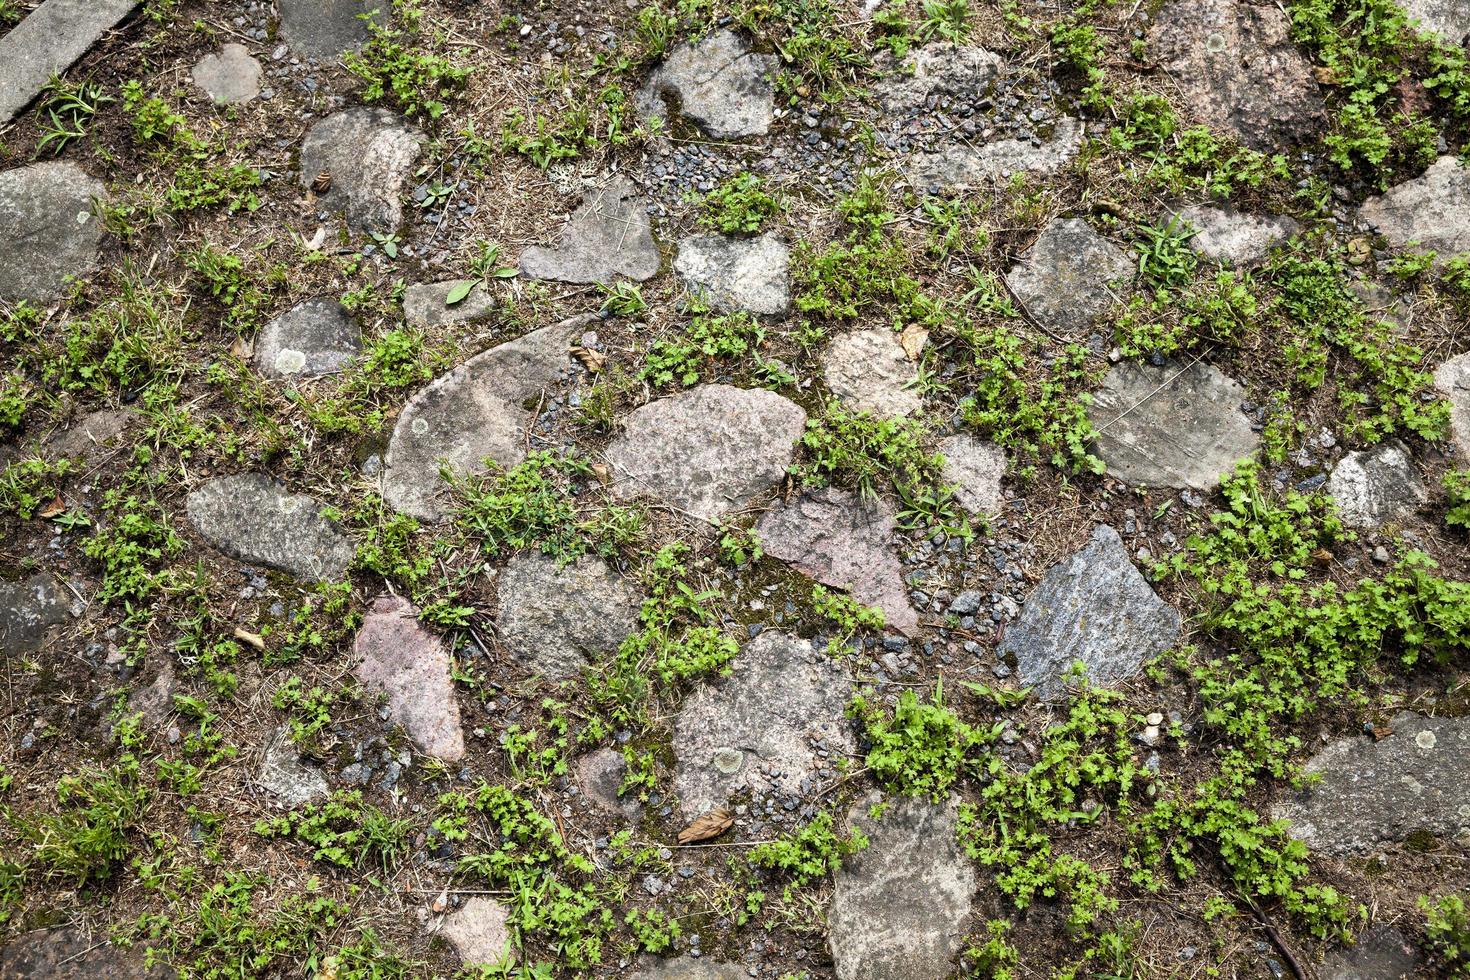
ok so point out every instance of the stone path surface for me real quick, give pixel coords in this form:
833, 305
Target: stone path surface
610, 235
47, 42
1232, 237
410, 665
1064, 279
869, 371
732, 274
720, 85
939, 69
426, 305
1452, 380
1093, 607
689, 968
283, 774
1429, 213
230, 77
1377, 487
974, 469
254, 519
28, 610
1379, 953
365, 156
480, 932
964, 166
1450, 19
70, 954
556, 619
324, 29
313, 338
47, 221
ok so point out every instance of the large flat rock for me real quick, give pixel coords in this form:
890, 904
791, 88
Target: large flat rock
1171, 426
1092, 606
974, 469
1452, 380
1379, 953
229, 77
254, 519
48, 42
718, 84
48, 232
1450, 19
610, 235
961, 71
284, 776
366, 155
1070, 276
1430, 212
959, 166
1232, 237
28, 610
868, 370
426, 305
326, 29
411, 666
749, 274
480, 932
556, 618
315, 337
1378, 486
68, 953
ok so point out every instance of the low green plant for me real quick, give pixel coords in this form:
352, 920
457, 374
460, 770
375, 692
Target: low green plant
919, 748
89, 836
1447, 929
708, 339
1457, 498
68, 109
344, 831
811, 852
739, 205
31, 484
398, 66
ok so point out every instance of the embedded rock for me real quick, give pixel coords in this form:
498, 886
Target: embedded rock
1450, 19
1374, 792
289, 780
556, 619
869, 371
48, 233
974, 469
410, 665
737, 273
962, 166
366, 156
315, 337
1231, 237
48, 42
899, 906
427, 306
609, 235
230, 77
1063, 280
1379, 953
326, 29
941, 69
68, 953
480, 932
254, 519
600, 776
689, 968
1093, 607
1377, 487
759, 729
1168, 426
841, 540
1453, 381
707, 451
28, 610
719, 85
1430, 212
91, 438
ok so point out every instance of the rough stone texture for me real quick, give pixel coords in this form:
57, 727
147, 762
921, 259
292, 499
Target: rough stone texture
230, 77
48, 232
974, 469
1377, 487
869, 371
939, 69
962, 166
600, 776
737, 273
368, 155
840, 540
91, 438
1431, 211
48, 42
1095, 607
282, 774
1376, 792
689, 968
325, 29
719, 85
1230, 237
556, 619
28, 609
70, 954
899, 906
318, 336
410, 665
256, 520
609, 235
757, 729
1448, 18
1453, 381
424, 305
1167, 426
1380, 953
471, 414
1237, 68
1063, 279
480, 932
707, 451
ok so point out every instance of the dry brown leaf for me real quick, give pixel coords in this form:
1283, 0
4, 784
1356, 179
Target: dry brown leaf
708, 826
247, 637
1359, 251
1322, 556
242, 348
913, 339
1381, 732
1325, 75
57, 506
603, 474
592, 360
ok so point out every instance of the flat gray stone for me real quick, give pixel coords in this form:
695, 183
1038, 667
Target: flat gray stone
1091, 606
323, 30
899, 906
48, 42
757, 730
289, 781
1380, 953
425, 306
868, 370
841, 540
70, 954
556, 619
1167, 426
960, 166
480, 932
411, 666
719, 85
230, 77
1063, 280
1376, 487
1450, 19
254, 519
689, 968
940, 69
1237, 68
609, 235
316, 337
748, 274
48, 232
368, 155
28, 610
974, 469
600, 776
474, 413
1230, 237
1373, 793
90, 439
1452, 379
1430, 212
707, 451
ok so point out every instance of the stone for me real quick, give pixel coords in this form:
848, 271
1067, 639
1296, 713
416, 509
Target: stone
1376, 487
1167, 426
869, 371
609, 235
756, 730
324, 30
230, 77
480, 932
1450, 19
48, 231
1430, 212
1230, 237
68, 953
959, 71
254, 519
1063, 279
707, 451
899, 906
841, 540
1237, 68
556, 619
732, 274
959, 166
28, 610
473, 413
974, 469
48, 42
719, 84
283, 774
1452, 379
689, 968
1092, 606
315, 337
367, 155
411, 666
1379, 953
425, 306
600, 775
91, 438
1376, 792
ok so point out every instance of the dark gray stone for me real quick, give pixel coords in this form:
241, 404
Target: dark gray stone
610, 235
1063, 280
719, 85
1380, 953
48, 231
733, 274
1377, 487
600, 775
282, 774
256, 520
1430, 213
367, 154
230, 77
316, 337
28, 610
556, 619
48, 42
425, 306
326, 29
71, 954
